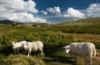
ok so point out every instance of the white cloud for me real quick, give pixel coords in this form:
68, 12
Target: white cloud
69, 13
55, 10
93, 10
19, 10
25, 17
51, 10
31, 6
73, 13
44, 12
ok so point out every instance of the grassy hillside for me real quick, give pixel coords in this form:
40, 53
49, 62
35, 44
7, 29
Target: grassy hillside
54, 38
82, 22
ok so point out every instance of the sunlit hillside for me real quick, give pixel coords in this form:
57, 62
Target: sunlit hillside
54, 38
81, 22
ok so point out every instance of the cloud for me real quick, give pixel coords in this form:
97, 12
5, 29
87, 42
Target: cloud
69, 13
25, 17
31, 6
55, 10
18, 6
44, 12
73, 13
19, 10
93, 10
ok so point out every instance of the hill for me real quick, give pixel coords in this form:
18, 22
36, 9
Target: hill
54, 38
5, 21
81, 22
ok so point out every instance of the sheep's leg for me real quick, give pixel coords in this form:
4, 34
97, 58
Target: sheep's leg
90, 58
73, 57
15, 52
42, 52
90, 62
29, 52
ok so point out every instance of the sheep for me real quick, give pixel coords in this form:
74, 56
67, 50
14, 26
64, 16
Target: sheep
18, 46
33, 46
83, 49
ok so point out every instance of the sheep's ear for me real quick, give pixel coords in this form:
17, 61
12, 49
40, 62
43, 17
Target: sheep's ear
15, 41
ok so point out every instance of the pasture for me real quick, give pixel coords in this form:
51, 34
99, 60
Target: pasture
54, 38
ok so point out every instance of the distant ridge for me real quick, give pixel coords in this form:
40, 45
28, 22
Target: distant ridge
9, 22
5, 21
81, 22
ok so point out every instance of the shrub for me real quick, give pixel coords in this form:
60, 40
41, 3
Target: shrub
53, 41
5, 43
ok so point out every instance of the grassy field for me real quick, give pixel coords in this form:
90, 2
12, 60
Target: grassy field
54, 38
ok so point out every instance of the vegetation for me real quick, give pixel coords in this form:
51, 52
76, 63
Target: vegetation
14, 24
20, 60
54, 38
81, 22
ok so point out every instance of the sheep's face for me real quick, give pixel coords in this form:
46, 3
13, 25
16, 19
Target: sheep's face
25, 45
67, 49
13, 43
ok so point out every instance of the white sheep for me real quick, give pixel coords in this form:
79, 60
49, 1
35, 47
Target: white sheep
33, 46
18, 46
81, 49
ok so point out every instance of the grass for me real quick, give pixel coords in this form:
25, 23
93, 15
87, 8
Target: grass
81, 22
84, 37
20, 60
53, 39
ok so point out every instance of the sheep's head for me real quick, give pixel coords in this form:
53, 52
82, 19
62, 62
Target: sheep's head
67, 48
25, 45
13, 43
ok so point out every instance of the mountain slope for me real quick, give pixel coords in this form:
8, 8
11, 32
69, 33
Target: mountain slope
5, 21
81, 22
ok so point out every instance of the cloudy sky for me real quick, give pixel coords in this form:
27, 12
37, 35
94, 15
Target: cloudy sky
52, 11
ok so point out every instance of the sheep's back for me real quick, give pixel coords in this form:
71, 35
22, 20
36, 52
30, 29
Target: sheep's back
40, 44
34, 46
81, 49
17, 45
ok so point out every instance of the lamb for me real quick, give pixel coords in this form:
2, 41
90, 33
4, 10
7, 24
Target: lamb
83, 49
33, 46
18, 46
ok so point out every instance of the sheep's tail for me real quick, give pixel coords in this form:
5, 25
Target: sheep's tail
94, 51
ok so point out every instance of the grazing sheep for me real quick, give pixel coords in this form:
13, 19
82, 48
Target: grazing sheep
81, 49
18, 46
33, 46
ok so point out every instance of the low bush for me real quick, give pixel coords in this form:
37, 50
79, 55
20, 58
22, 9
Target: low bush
5, 44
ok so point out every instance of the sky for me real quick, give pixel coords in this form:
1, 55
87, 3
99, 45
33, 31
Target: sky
48, 11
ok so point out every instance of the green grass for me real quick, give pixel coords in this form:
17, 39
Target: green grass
20, 60
81, 22
53, 39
